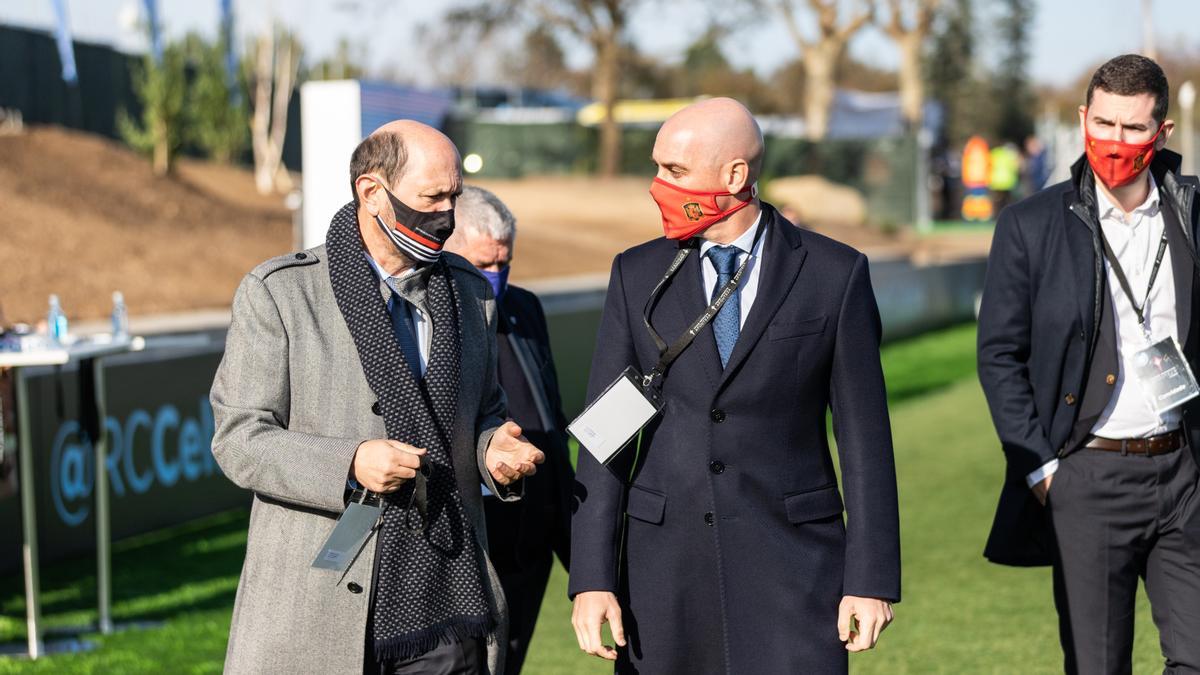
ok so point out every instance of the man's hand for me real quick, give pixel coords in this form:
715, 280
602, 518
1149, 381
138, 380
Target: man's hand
509, 456
1042, 490
592, 609
383, 466
872, 616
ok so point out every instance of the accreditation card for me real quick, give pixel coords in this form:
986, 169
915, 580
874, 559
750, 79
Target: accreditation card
1165, 375
616, 416
348, 536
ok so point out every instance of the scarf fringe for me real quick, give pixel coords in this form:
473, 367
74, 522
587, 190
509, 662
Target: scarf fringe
416, 643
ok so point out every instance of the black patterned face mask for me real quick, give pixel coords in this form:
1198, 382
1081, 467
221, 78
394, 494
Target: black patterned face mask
418, 234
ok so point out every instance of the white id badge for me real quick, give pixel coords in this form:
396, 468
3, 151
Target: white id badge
615, 417
1165, 375
348, 536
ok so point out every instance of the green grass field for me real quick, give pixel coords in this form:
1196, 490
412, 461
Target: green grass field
960, 613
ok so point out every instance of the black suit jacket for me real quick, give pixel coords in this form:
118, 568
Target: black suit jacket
544, 519
725, 541
1040, 325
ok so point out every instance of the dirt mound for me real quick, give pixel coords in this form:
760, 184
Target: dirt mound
83, 216
818, 200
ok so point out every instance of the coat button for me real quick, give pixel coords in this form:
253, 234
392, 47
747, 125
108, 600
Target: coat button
717, 415
1111, 379
376, 409
353, 587
301, 256
1070, 399
716, 467
708, 518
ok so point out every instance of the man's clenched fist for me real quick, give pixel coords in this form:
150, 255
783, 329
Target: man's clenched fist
383, 466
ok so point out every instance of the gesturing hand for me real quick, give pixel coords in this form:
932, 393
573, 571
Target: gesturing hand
383, 466
593, 609
509, 456
872, 616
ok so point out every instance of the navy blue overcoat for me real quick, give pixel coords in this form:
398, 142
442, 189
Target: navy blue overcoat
725, 541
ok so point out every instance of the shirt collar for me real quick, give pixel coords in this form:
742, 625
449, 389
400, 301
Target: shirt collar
1108, 210
744, 242
384, 276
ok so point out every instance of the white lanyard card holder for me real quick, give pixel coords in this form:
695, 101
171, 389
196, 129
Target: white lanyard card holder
616, 416
1166, 377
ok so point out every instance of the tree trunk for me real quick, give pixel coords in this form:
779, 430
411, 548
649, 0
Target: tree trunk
604, 88
260, 121
912, 85
819, 61
286, 61
162, 148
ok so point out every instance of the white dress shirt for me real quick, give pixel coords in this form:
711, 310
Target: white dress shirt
749, 283
422, 323
1134, 238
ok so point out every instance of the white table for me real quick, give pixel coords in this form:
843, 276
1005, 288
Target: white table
88, 354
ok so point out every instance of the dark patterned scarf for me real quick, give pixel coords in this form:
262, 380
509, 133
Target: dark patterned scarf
429, 589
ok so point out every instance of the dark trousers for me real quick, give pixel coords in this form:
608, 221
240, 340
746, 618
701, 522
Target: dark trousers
468, 657
524, 570
1117, 518
457, 658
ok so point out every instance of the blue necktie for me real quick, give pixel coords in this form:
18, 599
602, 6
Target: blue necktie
727, 323
406, 333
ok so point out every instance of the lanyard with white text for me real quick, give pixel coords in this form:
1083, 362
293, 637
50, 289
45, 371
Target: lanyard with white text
1121, 278
667, 355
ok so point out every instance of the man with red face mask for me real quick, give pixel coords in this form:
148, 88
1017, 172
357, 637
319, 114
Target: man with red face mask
714, 542
1087, 349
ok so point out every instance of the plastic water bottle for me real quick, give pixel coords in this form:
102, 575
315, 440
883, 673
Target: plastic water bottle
120, 316
56, 322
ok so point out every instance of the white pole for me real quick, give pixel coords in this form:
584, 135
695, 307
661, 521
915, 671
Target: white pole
924, 144
1187, 101
1148, 47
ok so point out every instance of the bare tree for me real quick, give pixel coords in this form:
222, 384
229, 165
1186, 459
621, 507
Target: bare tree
910, 40
276, 58
820, 55
599, 23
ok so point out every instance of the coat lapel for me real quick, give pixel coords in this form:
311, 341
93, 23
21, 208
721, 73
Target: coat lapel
783, 255
1081, 248
1181, 269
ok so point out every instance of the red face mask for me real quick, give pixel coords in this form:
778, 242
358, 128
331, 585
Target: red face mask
1116, 163
686, 213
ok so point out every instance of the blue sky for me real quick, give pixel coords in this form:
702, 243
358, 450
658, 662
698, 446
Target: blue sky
1069, 35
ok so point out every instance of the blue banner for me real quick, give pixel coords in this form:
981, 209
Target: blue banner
66, 50
230, 57
156, 47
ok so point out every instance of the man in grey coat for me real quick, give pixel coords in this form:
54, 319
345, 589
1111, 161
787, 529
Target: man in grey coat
368, 366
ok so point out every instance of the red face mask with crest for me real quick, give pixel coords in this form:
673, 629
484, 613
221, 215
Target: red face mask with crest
1116, 163
686, 213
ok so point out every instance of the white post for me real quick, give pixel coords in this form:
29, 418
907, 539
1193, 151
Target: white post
1187, 101
924, 144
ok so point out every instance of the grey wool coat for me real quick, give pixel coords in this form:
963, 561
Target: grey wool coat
291, 405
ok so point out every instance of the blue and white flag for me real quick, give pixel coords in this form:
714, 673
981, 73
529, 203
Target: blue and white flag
227, 38
156, 47
62, 36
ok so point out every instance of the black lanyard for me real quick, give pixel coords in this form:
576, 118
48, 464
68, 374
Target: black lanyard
1121, 278
668, 354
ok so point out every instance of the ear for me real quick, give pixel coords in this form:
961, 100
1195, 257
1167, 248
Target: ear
1168, 128
736, 175
369, 193
1083, 119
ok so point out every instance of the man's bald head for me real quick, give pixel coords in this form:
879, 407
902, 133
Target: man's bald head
700, 146
386, 153
412, 162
